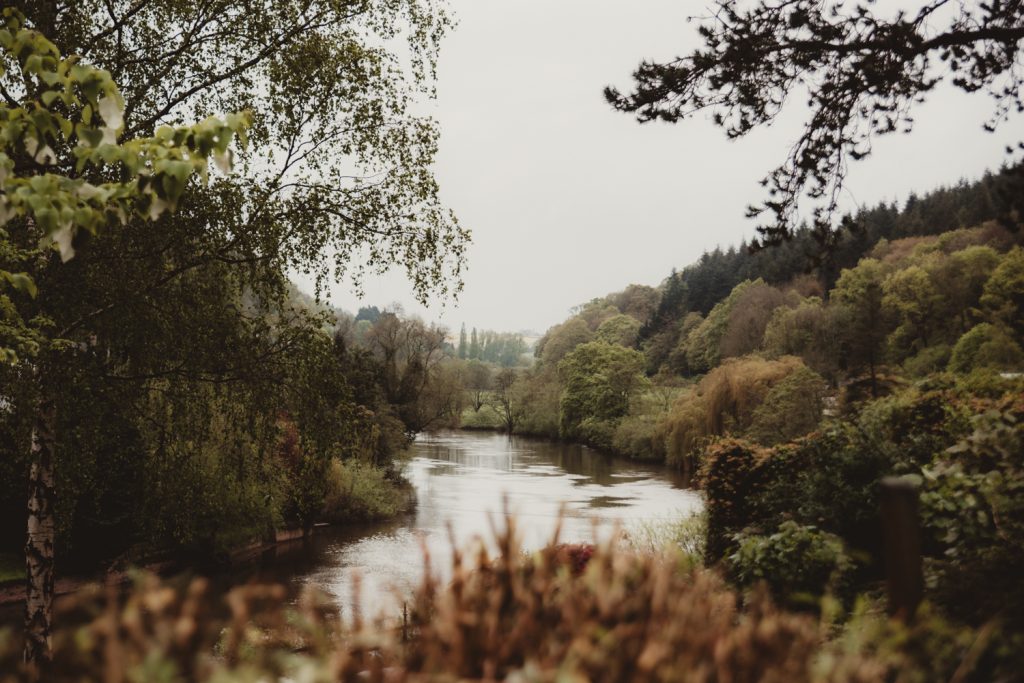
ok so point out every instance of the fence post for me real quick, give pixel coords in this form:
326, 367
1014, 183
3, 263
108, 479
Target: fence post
902, 543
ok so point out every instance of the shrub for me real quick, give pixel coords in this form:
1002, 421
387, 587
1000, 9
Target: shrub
799, 563
734, 390
684, 431
638, 436
973, 507
512, 617
727, 481
359, 491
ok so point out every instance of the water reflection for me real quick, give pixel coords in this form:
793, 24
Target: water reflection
463, 480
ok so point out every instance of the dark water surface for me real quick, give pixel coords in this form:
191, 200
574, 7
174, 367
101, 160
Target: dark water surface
463, 480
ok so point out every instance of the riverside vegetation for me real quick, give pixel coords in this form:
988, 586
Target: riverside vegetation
788, 396
164, 391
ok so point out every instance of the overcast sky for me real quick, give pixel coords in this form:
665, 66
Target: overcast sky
568, 200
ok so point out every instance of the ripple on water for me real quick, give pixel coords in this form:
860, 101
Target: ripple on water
463, 482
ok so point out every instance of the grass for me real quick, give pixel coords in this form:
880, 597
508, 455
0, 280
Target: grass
684, 532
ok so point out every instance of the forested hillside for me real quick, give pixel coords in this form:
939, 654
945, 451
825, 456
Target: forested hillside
762, 343
789, 389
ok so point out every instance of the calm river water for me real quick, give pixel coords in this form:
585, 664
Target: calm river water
462, 480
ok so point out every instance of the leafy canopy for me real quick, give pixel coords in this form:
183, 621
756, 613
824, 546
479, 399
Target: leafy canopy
71, 116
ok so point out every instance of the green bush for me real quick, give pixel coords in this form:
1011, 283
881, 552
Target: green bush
986, 346
972, 507
358, 491
485, 418
639, 437
799, 563
728, 485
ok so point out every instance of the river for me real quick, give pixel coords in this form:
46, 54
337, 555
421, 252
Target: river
463, 481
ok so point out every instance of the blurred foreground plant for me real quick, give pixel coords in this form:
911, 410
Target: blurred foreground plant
513, 617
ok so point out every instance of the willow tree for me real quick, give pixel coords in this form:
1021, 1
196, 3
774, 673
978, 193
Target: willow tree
862, 72
62, 123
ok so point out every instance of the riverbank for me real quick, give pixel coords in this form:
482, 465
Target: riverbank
12, 587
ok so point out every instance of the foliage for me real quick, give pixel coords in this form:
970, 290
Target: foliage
561, 339
619, 329
986, 346
799, 563
1003, 296
973, 507
791, 408
680, 531
811, 330
640, 437
511, 616
928, 361
599, 381
863, 72
733, 391
703, 345
62, 129
726, 480
356, 490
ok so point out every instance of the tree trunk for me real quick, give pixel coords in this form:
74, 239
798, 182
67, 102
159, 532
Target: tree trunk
40, 538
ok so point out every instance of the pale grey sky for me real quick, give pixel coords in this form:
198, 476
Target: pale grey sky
569, 200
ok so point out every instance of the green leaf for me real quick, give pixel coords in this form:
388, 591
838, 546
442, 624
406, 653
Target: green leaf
22, 282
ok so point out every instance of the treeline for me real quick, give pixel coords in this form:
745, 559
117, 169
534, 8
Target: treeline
276, 414
790, 396
500, 348
760, 344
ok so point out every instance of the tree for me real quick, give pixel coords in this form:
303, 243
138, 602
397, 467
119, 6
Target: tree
561, 339
863, 73
478, 380
47, 204
368, 313
858, 294
748, 318
791, 408
961, 278
410, 355
811, 331
462, 342
474, 346
599, 380
986, 346
912, 299
620, 329
508, 399
1003, 296
337, 183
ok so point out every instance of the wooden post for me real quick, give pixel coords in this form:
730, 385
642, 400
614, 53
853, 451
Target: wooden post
902, 539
